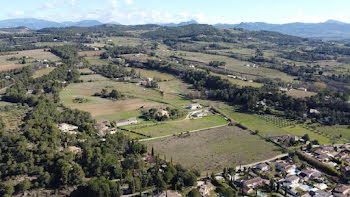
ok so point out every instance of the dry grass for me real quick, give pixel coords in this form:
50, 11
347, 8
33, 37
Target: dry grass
11, 66
113, 107
300, 94
38, 54
43, 72
212, 150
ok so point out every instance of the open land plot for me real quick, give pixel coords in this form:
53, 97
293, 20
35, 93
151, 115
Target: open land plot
93, 77
339, 131
239, 82
236, 65
105, 109
181, 126
153, 74
125, 41
85, 70
42, 72
87, 89
300, 94
90, 53
50, 44
266, 128
11, 66
94, 60
13, 118
214, 149
37, 54
175, 86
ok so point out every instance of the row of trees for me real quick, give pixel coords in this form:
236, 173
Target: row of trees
114, 94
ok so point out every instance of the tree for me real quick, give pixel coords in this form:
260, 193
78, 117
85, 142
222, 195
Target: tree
23, 186
115, 94
101, 187
104, 93
6, 190
76, 175
194, 193
306, 137
23, 60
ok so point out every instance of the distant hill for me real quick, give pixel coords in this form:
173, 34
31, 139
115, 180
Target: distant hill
329, 30
40, 24
191, 22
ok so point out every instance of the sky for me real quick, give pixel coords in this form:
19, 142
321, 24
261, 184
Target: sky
165, 11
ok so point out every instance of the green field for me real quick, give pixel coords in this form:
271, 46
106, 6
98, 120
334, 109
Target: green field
153, 74
266, 128
240, 82
342, 132
137, 97
214, 149
176, 127
94, 60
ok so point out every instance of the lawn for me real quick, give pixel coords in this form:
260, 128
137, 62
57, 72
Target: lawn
176, 127
214, 149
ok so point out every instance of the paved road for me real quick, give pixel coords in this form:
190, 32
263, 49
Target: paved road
264, 161
198, 130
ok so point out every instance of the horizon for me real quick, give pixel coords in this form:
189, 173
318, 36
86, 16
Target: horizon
166, 23
132, 12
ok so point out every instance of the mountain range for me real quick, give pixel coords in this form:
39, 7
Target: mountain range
329, 30
35, 24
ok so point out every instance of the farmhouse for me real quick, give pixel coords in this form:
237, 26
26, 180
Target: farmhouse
102, 126
204, 188
129, 121
314, 111
67, 128
283, 138
302, 89
200, 114
194, 106
162, 113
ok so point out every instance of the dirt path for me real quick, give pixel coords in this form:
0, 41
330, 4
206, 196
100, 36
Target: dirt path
166, 136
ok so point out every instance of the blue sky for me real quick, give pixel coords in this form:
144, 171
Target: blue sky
162, 11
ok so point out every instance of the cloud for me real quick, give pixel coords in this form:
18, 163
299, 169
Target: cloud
16, 14
73, 2
50, 4
129, 2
